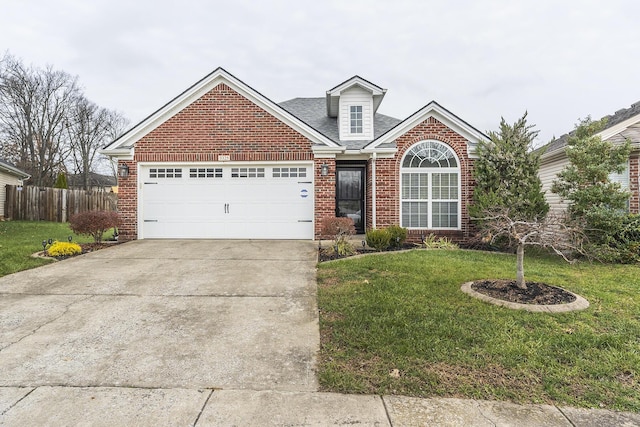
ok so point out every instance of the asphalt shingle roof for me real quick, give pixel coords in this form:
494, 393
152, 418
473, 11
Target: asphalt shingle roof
620, 116
313, 111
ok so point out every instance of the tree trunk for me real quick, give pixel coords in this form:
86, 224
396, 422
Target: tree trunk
520, 267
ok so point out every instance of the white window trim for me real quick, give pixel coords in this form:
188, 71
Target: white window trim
430, 200
351, 119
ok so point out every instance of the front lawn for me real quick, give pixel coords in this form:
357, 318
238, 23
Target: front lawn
20, 239
399, 324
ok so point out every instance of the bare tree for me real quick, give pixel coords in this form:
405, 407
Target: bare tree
89, 128
33, 106
553, 232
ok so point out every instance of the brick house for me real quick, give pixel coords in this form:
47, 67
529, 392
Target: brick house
623, 125
223, 161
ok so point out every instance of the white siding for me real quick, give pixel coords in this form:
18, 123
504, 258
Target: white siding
622, 178
355, 96
548, 173
5, 179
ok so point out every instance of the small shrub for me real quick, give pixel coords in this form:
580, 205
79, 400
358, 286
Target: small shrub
60, 249
446, 243
378, 239
344, 248
397, 236
615, 236
94, 223
432, 241
339, 228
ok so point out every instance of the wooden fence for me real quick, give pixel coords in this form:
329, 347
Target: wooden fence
54, 204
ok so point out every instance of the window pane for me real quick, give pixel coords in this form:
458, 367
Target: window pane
430, 154
355, 113
445, 186
415, 186
445, 215
414, 214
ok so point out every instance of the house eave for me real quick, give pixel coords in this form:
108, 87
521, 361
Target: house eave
119, 153
619, 127
15, 172
435, 110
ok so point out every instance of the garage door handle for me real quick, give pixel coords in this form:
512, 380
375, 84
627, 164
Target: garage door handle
305, 220
150, 182
150, 220
305, 182
226, 208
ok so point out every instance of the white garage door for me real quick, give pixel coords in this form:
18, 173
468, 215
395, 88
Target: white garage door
270, 201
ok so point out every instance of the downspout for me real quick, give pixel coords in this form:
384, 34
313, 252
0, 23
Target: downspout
373, 190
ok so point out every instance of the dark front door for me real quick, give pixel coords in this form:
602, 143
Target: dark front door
350, 195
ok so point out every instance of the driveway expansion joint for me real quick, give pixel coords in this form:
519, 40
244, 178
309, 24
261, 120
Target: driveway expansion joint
565, 416
485, 416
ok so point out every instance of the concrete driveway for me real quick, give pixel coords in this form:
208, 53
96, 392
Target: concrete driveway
162, 322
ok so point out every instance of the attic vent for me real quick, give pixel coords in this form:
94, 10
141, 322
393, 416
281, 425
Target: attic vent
636, 105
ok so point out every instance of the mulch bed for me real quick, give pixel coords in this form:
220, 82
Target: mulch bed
328, 254
536, 293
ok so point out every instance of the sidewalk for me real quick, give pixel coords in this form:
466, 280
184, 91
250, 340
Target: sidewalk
109, 406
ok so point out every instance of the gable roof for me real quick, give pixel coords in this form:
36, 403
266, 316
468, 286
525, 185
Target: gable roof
437, 111
619, 127
313, 112
333, 95
7, 167
124, 144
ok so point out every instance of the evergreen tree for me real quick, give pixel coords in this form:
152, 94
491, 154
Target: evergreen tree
506, 174
61, 181
585, 182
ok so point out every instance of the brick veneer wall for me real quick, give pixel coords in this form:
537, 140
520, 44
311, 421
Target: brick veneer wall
325, 187
221, 122
388, 179
634, 175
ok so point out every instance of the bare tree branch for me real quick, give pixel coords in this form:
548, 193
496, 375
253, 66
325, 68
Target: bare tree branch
553, 232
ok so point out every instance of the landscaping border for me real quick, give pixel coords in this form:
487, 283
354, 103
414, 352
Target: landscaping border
579, 304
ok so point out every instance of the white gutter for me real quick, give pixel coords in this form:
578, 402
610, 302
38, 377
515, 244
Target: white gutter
373, 189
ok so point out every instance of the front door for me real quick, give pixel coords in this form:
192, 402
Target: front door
350, 195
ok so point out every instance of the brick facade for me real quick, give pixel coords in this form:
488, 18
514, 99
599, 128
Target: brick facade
634, 177
388, 179
222, 122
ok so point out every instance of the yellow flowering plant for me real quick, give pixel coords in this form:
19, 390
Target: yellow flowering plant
59, 249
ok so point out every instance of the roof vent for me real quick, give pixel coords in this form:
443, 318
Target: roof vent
636, 105
620, 111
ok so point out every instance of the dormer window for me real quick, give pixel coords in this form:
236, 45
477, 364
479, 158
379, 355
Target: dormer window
355, 113
354, 103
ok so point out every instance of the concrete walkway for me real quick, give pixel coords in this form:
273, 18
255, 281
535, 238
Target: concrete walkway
196, 333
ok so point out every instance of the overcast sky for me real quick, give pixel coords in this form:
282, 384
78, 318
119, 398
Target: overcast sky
559, 60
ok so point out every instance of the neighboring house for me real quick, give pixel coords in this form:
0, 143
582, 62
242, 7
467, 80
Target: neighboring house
223, 161
623, 125
97, 182
9, 175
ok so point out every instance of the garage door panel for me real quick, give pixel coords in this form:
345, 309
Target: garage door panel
269, 206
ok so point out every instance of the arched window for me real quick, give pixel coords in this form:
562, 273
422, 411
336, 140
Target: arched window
430, 187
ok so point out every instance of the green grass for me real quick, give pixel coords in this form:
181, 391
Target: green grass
405, 311
20, 239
